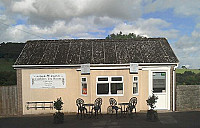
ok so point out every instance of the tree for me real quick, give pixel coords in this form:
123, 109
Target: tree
8, 78
188, 78
124, 36
11, 50
184, 67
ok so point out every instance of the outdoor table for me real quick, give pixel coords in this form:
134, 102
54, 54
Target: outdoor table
89, 106
123, 109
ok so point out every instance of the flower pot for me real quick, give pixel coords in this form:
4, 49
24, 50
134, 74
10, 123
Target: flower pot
58, 117
152, 115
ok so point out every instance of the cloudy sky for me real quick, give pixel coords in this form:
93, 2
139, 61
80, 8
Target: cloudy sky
176, 20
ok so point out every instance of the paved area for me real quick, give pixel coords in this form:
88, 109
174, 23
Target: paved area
166, 120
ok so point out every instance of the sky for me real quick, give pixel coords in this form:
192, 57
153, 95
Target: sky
176, 20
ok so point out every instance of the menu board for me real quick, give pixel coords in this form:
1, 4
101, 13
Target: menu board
57, 80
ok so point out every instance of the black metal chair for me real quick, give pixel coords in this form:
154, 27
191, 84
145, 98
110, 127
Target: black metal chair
81, 107
113, 106
97, 106
131, 105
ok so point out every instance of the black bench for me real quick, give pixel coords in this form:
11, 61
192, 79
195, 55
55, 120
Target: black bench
39, 104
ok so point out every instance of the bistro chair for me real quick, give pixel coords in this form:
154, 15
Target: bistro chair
97, 106
131, 105
81, 107
113, 106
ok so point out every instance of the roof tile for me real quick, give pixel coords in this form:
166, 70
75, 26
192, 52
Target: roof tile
96, 51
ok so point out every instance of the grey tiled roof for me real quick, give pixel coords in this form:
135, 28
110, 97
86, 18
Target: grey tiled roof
96, 51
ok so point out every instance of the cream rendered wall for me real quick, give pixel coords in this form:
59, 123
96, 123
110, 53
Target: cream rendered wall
73, 89
67, 94
128, 79
143, 89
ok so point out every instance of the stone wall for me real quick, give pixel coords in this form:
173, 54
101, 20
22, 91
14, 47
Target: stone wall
188, 97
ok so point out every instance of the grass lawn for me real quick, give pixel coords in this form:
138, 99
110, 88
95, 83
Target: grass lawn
183, 70
6, 65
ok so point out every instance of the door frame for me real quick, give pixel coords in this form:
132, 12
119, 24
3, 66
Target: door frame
161, 69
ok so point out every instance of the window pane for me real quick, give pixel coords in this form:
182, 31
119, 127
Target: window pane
135, 87
84, 88
116, 78
159, 81
116, 88
102, 88
103, 79
84, 79
135, 78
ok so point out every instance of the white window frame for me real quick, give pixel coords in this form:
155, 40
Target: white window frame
82, 86
109, 84
137, 81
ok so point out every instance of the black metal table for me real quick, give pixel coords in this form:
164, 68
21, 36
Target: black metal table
89, 106
123, 107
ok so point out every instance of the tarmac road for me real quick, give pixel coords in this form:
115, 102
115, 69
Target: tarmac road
166, 120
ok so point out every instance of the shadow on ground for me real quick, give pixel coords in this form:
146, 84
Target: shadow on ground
166, 120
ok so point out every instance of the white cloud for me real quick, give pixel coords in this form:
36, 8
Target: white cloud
15, 34
67, 18
24, 7
187, 48
77, 27
180, 7
187, 8
5, 20
93, 18
150, 27
47, 11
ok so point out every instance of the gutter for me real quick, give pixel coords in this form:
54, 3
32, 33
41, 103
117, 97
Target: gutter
40, 66
173, 107
92, 65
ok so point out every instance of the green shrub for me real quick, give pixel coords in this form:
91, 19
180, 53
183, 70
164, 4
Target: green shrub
151, 101
58, 116
188, 78
58, 104
152, 114
8, 78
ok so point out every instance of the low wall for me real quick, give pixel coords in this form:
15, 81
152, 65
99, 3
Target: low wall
188, 97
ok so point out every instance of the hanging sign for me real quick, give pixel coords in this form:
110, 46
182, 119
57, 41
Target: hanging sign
133, 67
57, 80
85, 68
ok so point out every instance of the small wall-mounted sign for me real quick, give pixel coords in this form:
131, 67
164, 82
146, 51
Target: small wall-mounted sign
85, 68
133, 67
84, 91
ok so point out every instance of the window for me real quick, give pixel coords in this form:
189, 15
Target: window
103, 79
84, 86
135, 85
159, 82
110, 85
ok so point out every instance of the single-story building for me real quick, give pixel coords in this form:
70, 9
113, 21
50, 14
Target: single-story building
92, 68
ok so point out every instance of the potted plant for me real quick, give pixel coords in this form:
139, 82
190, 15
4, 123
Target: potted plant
152, 114
58, 116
